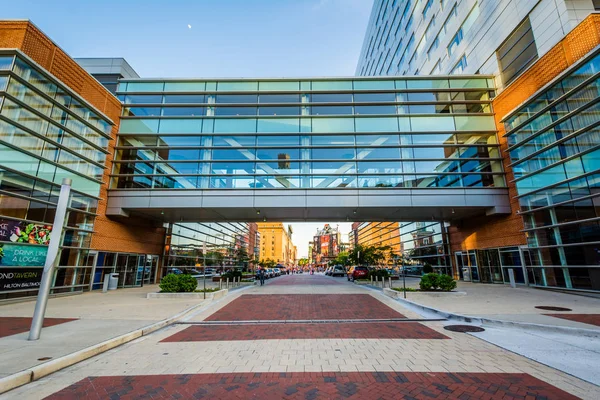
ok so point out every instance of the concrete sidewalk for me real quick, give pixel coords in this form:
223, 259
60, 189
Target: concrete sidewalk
501, 302
97, 317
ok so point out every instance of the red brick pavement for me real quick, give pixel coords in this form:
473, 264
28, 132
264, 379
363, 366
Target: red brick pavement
14, 325
270, 307
305, 279
333, 385
592, 319
366, 330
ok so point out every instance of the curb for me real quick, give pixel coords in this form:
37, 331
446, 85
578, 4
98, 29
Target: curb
39, 371
194, 295
590, 333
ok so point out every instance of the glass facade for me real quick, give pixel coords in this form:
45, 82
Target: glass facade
313, 134
47, 133
425, 243
216, 245
554, 146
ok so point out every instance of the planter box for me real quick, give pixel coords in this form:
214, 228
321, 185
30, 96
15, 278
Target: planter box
395, 294
192, 295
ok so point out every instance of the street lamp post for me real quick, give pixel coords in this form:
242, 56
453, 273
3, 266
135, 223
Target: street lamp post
403, 275
204, 268
53, 249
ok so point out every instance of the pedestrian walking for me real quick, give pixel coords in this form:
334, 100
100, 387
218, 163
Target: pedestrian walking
261, 276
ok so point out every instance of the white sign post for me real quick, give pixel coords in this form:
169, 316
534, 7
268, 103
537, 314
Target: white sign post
53, 247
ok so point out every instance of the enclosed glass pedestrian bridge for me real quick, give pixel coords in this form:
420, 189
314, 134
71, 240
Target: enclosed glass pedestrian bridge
308, 149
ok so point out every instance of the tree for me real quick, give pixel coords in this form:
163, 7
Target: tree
343, 258
368, 255
303, 262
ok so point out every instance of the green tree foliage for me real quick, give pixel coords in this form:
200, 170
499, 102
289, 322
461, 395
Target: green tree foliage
368, 255
343, 258
303, 262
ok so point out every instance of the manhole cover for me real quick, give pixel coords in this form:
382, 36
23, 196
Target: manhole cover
44, 358
463, 328
552, 308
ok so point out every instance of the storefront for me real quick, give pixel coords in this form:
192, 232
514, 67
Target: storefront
133, 269
490, 265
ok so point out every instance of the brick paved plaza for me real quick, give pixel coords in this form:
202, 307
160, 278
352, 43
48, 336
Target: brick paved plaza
295, 340
333, 385
14, 325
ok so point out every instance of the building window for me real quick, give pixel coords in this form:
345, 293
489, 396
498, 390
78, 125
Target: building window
460, 66
517, 52
464, 29
427, 7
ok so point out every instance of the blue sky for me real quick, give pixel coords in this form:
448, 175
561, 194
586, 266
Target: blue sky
228, 38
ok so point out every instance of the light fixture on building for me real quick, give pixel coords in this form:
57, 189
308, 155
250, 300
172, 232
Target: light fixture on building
453, 211
257, 212
347, 219
354, 211
264, 219
162, 212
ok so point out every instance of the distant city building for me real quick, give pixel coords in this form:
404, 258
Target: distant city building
326, 244
276, 243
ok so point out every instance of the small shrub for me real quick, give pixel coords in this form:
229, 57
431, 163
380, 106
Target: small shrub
187, 283
169, 284
446, 283
427, 268
381, 273
429, 282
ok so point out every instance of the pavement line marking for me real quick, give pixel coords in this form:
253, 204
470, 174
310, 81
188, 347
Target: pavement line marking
309, 321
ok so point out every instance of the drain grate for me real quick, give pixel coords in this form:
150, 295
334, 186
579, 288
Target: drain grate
553, 308
463, 328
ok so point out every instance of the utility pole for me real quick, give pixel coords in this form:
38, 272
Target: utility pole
53, 248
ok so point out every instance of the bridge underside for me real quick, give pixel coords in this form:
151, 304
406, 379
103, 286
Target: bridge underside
308, 205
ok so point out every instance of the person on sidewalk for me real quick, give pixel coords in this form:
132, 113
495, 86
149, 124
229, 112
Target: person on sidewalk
261, 276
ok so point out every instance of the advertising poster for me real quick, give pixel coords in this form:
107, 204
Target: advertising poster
22, 255
23, 232
20, 279
325, 245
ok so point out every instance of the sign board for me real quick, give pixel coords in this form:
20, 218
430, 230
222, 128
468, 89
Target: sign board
23, 232
22, 255
20, 279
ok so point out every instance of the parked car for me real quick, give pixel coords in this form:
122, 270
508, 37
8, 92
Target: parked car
277, 271
357, 273
338, 270
187, 271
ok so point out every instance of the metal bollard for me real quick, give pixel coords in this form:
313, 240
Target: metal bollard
390, 282
371, 279
220, 283
227, 287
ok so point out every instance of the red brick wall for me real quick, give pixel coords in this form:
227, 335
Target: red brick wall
485, 232
132, 235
